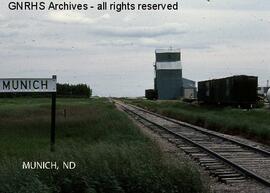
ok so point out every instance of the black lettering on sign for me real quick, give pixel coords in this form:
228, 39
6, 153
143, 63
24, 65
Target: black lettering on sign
24, 84
15, 86
44, 84
6, 85
29, 83
34, 84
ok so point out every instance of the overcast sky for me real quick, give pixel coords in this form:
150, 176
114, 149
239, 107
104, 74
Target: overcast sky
114, 52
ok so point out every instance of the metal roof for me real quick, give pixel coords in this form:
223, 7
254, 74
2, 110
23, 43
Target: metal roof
187, 83
170, 50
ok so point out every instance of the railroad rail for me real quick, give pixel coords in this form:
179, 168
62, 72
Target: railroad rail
229, 160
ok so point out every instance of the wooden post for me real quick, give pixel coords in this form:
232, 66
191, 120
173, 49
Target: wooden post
53, 114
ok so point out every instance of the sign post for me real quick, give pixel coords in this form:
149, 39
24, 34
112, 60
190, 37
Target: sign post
53, 114
34, 85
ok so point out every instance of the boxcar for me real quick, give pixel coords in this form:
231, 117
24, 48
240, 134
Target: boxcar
151, 94
235, 90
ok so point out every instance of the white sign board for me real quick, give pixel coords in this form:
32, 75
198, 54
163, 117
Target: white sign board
27, 85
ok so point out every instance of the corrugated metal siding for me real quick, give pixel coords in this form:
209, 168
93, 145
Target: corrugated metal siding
189, 93
169, 84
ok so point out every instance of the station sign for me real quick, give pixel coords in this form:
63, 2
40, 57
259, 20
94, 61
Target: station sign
34, 85
13, 85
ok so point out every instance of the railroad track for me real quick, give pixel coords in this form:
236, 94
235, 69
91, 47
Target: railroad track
227, 159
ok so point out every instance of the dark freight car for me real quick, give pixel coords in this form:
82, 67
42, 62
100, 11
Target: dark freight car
235, 90
151, 94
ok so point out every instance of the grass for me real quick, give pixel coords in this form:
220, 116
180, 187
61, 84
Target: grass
254, 124
111, 154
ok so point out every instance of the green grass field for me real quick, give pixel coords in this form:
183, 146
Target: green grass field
254, 124
111, 154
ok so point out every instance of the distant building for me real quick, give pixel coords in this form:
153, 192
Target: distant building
189, 89
168, 74
169, 83
263, 90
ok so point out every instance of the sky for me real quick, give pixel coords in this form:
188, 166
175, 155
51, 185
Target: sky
113, 52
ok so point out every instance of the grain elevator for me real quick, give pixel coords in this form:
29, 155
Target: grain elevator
168, 74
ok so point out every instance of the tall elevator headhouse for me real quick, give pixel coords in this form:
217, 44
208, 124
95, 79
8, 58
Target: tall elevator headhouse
168, 74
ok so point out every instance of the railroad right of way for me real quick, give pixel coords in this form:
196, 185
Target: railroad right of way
227, 159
